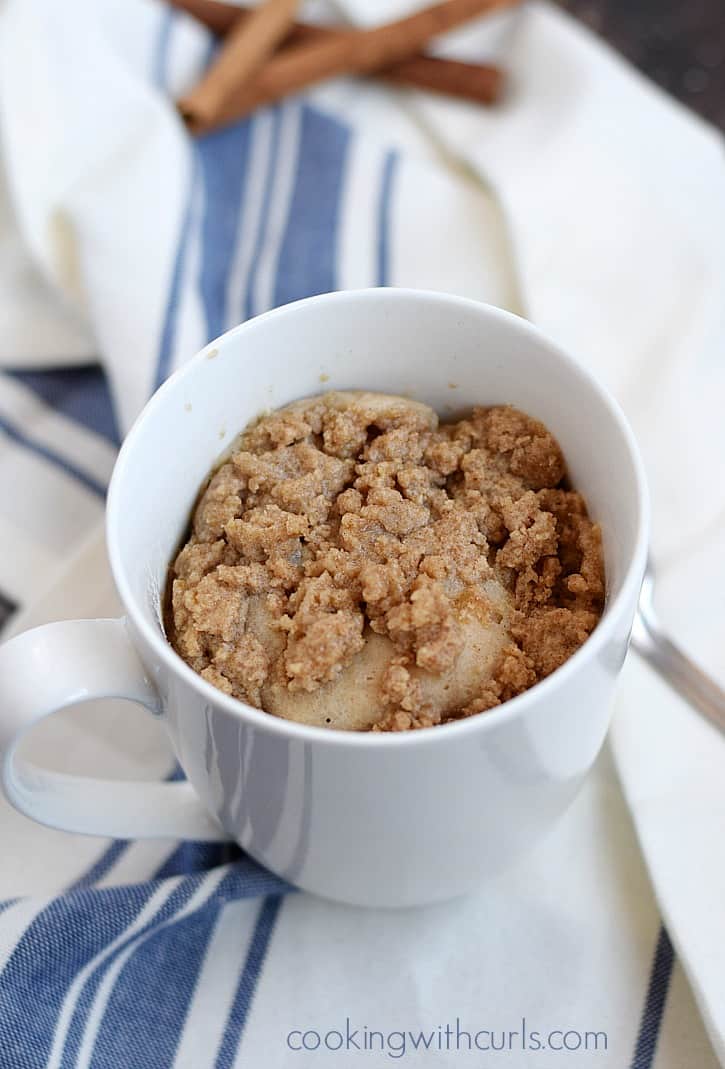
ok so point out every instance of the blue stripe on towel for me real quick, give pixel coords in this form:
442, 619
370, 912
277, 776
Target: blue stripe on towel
197, 857
165, 913
75, 928
248, 982
145, 1014
308, 256
64, 936
654, 1007
168, 331
390, 164
146, 1009
224, 159
79, 393
22, 439
261, 235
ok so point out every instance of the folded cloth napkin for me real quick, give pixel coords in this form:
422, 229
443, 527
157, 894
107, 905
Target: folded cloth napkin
588, 201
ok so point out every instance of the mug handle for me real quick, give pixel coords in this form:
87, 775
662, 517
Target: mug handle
60, 664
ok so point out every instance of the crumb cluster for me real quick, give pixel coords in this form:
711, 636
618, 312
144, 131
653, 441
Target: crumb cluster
356, 564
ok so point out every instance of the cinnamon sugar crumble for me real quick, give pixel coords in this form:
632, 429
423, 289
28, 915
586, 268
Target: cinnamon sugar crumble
356, 564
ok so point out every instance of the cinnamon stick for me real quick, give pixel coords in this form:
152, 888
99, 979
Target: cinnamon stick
347, 52
216, 16
478, 82
481, 83
249, 42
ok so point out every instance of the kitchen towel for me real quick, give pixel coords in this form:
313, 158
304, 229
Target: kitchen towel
587, 201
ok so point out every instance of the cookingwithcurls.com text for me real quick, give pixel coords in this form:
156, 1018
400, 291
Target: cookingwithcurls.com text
451, 1036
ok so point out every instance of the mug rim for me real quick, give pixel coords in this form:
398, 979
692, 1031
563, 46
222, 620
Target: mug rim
509, 709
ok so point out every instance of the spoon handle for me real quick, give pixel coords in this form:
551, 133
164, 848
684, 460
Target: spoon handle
683, 675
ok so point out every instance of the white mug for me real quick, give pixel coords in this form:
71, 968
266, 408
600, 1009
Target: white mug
371, 819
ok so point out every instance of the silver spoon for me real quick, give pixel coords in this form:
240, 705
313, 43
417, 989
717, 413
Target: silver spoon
683, 675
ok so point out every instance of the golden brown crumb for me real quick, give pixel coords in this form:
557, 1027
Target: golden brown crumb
354, 563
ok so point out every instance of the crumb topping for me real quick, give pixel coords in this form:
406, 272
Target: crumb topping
356, 564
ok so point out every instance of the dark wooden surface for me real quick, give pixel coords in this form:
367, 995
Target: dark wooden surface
678, 43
